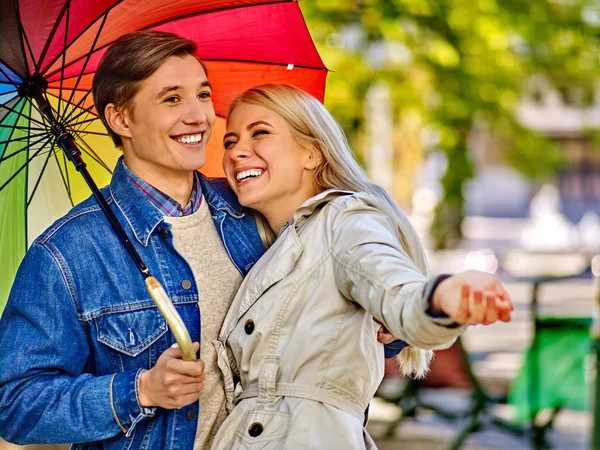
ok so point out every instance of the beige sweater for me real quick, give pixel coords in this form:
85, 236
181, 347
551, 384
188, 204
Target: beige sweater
217, 279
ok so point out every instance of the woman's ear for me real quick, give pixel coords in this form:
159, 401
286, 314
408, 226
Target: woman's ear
314, 158
117, 120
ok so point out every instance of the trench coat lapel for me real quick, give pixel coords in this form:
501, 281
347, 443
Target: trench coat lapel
275, 265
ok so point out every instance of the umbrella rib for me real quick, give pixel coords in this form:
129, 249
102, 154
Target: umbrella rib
77, 106
24, 138
72, 124
62, 175
26, 39
251, 61
13, 176
265, 62
92, 154
183, 16
14, 127
94, 133
88, 57
37, 183
5, 106
66, 120
85, 111
23, 149
66, 174
22, 31
54, 28
7, 77
64, 58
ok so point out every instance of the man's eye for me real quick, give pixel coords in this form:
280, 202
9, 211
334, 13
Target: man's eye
171, 99
204, 95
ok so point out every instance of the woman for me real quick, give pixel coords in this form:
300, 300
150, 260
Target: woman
298, 348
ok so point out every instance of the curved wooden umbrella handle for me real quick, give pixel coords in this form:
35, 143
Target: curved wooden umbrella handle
165, 306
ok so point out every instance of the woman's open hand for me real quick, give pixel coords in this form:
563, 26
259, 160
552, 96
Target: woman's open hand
471, 298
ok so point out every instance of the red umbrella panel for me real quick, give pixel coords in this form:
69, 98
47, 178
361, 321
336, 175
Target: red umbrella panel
56, 46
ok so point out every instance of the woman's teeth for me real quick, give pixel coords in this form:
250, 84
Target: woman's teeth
247, 174
189, 139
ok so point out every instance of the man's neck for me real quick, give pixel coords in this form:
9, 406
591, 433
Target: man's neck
177, 185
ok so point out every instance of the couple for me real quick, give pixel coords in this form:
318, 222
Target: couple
290, 351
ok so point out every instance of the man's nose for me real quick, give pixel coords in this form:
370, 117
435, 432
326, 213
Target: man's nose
196, 113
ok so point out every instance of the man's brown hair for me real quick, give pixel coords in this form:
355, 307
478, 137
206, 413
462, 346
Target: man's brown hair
130, 60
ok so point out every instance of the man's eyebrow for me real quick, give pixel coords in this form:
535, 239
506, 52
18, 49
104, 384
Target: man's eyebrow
168, 89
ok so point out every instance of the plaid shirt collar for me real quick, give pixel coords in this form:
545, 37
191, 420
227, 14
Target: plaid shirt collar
165, 204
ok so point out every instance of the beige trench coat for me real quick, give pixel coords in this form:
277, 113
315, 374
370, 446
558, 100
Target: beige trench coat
298, 348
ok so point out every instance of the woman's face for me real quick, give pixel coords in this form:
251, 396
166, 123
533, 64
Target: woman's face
265, 166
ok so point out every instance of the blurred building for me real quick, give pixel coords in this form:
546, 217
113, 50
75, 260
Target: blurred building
504, 209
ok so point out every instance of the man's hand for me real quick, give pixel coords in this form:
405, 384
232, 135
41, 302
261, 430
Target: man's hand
383, 334
172, 382
472, 297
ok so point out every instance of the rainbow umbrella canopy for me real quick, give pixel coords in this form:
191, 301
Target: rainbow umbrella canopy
49, 51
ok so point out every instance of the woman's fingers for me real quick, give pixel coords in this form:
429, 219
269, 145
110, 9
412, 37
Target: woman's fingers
483, 307
463, 312
478, 309
491, 308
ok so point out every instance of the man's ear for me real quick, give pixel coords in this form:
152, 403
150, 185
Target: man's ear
117, 120
314, 158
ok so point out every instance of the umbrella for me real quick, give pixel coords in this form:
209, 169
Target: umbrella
48, 53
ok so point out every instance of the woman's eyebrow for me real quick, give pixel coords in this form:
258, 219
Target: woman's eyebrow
258, 122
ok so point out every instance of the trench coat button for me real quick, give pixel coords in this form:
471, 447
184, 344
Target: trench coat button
249, 327
163, 233
190, 415
186, 284
255, 429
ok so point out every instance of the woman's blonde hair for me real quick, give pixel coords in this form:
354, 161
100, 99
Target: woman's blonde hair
313, 127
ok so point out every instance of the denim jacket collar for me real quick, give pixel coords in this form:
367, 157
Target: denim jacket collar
143, 217
140, 214
219, 197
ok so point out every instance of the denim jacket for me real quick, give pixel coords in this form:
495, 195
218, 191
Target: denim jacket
79, 326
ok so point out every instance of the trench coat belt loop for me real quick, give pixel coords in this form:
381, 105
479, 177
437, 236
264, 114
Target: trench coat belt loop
267, 380
309, 393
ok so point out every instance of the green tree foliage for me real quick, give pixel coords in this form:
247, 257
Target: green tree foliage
458, 62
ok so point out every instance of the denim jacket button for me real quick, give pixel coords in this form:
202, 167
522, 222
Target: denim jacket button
186, 284
190, 415
249, 327
163, 233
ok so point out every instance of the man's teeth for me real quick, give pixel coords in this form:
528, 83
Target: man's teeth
189, 139
252, 173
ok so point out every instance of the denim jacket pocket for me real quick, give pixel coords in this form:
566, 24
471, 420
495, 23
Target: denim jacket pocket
130, 337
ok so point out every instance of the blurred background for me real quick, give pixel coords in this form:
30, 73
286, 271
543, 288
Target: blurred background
482, 118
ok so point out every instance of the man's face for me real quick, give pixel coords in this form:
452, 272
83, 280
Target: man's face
169, 122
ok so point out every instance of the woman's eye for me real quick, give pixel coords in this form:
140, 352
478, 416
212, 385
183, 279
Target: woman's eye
259, 132
228, 144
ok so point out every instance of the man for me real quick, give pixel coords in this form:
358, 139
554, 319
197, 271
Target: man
85, 356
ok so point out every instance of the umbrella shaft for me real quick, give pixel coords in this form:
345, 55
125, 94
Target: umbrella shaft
67, 143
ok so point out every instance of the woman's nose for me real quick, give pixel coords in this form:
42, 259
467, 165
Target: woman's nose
240, 150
